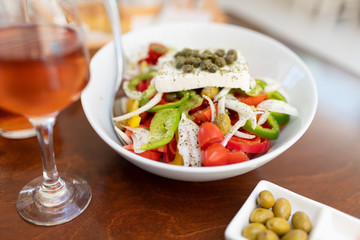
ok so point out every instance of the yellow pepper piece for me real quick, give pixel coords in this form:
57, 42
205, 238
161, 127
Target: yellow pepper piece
143, 66
132, 106
178, 160
134, 121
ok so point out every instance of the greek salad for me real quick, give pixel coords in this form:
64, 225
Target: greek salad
198, 107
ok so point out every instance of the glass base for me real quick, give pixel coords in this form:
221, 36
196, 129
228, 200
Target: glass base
18, 134
68, 203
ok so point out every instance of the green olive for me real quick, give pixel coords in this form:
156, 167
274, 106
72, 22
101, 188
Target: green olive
261, 215
282, 208
252, 230
279, 225
295, 234
301, 221
211, 92
223, 121
267, 235
265, 199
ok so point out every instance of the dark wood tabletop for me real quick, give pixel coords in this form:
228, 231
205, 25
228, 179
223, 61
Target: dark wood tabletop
130, 203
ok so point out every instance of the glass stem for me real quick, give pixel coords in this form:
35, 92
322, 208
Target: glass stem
44, 132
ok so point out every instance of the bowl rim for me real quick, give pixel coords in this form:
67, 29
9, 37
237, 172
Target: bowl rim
272, 153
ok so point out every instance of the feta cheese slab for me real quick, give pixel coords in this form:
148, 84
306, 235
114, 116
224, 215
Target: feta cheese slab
170, 79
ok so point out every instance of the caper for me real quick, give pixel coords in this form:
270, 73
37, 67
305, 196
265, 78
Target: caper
196, 61
212, 68
223, 121
295, 234
260, 215
170, 97
219, 61
267, 235
279, 225
282, 208
187, 52
180, 53
230, 59
220, 52
252, 230
188, 68
301, 221
205, 64
265, 199
233, 53
211, 92
180, 61
206, 55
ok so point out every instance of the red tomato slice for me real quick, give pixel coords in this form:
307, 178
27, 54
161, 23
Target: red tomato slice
208, 134
256, 145
150, 154
251, 100
202, 115
143, 85
217, 155
168, 156
128, 132
173, 145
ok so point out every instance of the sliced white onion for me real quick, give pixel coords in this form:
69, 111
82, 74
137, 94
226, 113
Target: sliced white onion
139, 136
212, 107
188, 144
245, 113
252, 83
131, 93
221, 105
222, 93
263, 117
231, 97
273, 85
155, 100
273, 105
244, 135
242, 109
123, 136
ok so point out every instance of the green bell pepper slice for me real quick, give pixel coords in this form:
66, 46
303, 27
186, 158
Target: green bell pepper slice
194, 101
139, 78
185, 97
162, 128
281, 118
268, 133
147, 94
276, 95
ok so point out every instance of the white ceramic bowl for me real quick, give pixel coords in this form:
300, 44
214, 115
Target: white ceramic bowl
265, 56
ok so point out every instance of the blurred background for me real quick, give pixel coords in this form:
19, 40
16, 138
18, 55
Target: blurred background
324, 33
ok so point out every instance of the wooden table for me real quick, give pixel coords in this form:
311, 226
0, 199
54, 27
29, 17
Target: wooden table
129, 203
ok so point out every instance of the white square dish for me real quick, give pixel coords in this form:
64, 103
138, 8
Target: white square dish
328, 223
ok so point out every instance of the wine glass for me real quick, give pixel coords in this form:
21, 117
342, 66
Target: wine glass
44, 66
